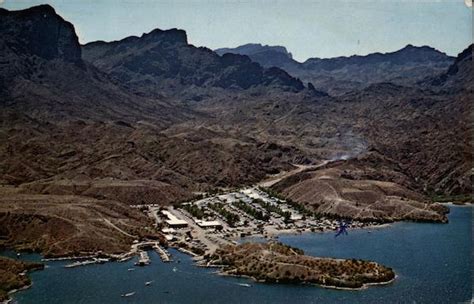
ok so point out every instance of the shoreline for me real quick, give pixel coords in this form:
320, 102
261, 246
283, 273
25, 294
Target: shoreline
363, 287
67, 258
130, 254
286, 232
13, 291
451, 204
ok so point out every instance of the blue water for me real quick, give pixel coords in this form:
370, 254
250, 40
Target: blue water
433, 263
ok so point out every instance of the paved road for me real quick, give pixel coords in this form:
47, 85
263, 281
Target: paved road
198, 232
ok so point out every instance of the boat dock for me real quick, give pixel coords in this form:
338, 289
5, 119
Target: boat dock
164, 255
143, 259
187, 252
86, 262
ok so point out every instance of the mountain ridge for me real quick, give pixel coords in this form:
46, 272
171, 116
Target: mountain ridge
356, 71
164, 56
64, 45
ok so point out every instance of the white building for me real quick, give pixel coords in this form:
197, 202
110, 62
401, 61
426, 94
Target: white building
173, 221
209, 224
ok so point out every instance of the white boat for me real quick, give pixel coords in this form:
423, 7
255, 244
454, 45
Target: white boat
89, 262
131, 269
128, 294
74, 264
148, 283
101, 260
244, 285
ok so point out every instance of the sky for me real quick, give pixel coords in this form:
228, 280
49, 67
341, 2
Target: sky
307, 28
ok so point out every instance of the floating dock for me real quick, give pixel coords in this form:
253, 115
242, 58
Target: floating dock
143, 259
187, 252
87, 262
164, 255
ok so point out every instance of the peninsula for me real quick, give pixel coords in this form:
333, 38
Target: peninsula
275, 262
13, 275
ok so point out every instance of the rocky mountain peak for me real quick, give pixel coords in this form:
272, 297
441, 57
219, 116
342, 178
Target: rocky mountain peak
251, 49
420, 54
164, 57
172, 35
39, 31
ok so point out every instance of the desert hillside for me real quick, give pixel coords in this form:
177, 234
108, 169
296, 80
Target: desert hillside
87, 131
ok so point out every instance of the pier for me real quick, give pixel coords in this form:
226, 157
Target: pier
143, 259
164, 255
187, 252
86, 262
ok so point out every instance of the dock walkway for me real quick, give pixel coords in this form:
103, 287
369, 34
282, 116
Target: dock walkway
143, 259
164, 255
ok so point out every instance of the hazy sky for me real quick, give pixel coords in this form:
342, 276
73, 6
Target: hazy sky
317, 28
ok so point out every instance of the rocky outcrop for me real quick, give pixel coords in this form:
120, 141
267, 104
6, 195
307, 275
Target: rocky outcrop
39, 31
251, 49
267, 56
459, 76
43, 76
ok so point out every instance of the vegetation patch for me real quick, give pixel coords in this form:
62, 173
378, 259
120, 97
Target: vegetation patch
231, 218
257, 214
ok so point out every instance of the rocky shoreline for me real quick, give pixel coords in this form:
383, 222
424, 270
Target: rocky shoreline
275, 262
13, 276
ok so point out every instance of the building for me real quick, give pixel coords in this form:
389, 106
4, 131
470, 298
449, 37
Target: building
296, 217
250, 193
170, 237
173, 221
168, 230
209, 224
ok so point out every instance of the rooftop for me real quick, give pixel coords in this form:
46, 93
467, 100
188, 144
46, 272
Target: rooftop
209, 223
172, 219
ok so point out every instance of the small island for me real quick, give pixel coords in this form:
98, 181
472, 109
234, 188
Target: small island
274, 262
13, 275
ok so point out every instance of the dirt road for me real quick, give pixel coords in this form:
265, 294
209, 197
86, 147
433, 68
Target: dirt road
267, 183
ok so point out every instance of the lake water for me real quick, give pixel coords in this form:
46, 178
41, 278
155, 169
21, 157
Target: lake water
433, 263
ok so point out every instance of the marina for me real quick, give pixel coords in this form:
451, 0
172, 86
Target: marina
403, 246
201, 226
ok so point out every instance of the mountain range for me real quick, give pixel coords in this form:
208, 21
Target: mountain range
164, 61
342, 74
87, 130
